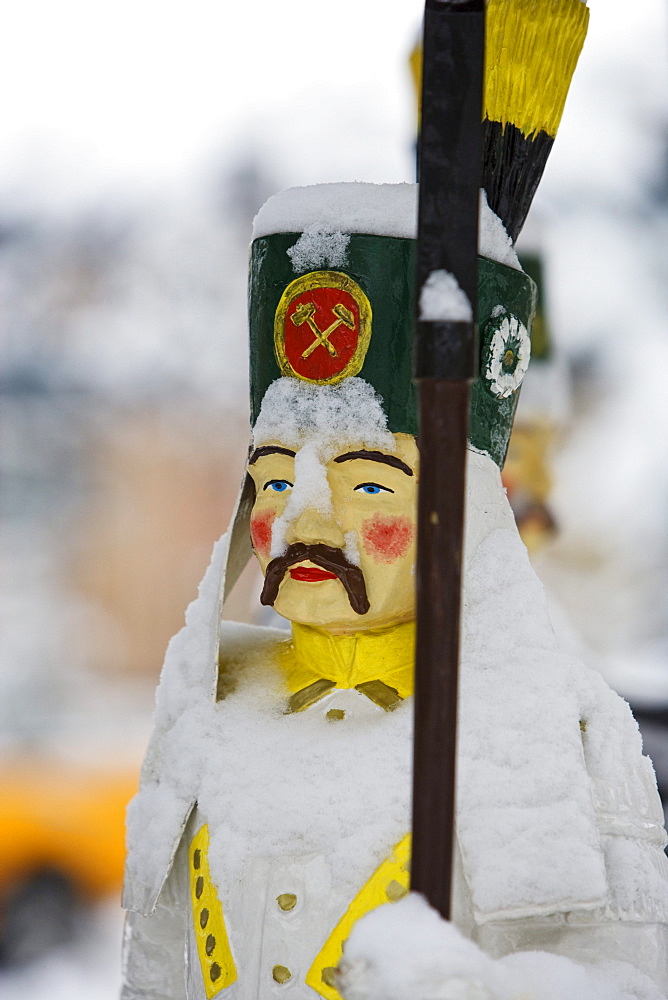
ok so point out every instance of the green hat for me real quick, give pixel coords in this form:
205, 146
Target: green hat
332, 297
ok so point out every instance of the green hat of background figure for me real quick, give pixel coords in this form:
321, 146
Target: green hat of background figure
332, 296
541, 344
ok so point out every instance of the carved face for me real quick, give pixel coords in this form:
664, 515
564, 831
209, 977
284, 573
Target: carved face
356, 515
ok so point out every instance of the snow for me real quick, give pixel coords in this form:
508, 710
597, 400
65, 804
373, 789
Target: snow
493, 240
162, 807
310, 492
521, 771
332, 415
373, 209
298, 766
318, 421
405, 951
442, 299
377, 209
318, 248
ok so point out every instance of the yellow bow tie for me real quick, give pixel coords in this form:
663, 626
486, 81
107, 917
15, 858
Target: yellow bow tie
378, 664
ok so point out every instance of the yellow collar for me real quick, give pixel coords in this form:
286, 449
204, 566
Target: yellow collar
385, 655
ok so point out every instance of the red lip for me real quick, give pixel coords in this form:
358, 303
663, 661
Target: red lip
310, 574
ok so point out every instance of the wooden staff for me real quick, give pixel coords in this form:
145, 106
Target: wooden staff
446, 361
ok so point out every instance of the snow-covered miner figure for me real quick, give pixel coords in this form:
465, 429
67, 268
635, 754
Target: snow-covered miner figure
273, 817
274, 808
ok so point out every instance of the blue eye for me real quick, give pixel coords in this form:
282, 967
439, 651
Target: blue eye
372, 488
277, 485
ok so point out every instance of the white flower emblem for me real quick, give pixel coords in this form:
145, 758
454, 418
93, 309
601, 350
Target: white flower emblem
509, 355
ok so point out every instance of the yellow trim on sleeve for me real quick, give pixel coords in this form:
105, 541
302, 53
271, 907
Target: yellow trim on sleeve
389, 883
213, 946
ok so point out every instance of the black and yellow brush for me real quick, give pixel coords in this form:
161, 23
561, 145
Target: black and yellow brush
532, 48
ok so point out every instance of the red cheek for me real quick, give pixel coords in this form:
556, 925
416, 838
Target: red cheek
387, 538
260, 529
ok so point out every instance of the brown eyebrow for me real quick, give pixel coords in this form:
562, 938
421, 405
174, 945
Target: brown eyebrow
376, 456
269, 449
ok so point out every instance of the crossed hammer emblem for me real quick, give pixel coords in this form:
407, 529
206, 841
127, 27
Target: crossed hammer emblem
305, 312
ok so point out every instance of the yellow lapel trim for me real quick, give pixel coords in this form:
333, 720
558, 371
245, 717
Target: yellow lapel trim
389, 883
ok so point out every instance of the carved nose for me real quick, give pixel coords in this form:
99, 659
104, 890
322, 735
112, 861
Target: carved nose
312, 527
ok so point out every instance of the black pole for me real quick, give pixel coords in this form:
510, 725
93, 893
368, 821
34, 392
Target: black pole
446, 361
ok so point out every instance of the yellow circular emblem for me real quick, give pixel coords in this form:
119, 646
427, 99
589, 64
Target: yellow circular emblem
322, 328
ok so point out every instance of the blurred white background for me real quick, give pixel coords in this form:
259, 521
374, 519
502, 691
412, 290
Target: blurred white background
136, 143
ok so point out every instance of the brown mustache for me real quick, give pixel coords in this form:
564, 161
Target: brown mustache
328, 558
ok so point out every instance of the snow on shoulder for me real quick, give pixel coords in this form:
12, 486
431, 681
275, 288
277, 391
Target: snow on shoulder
371, 209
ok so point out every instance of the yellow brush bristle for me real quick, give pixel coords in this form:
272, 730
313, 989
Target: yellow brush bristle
532, 49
